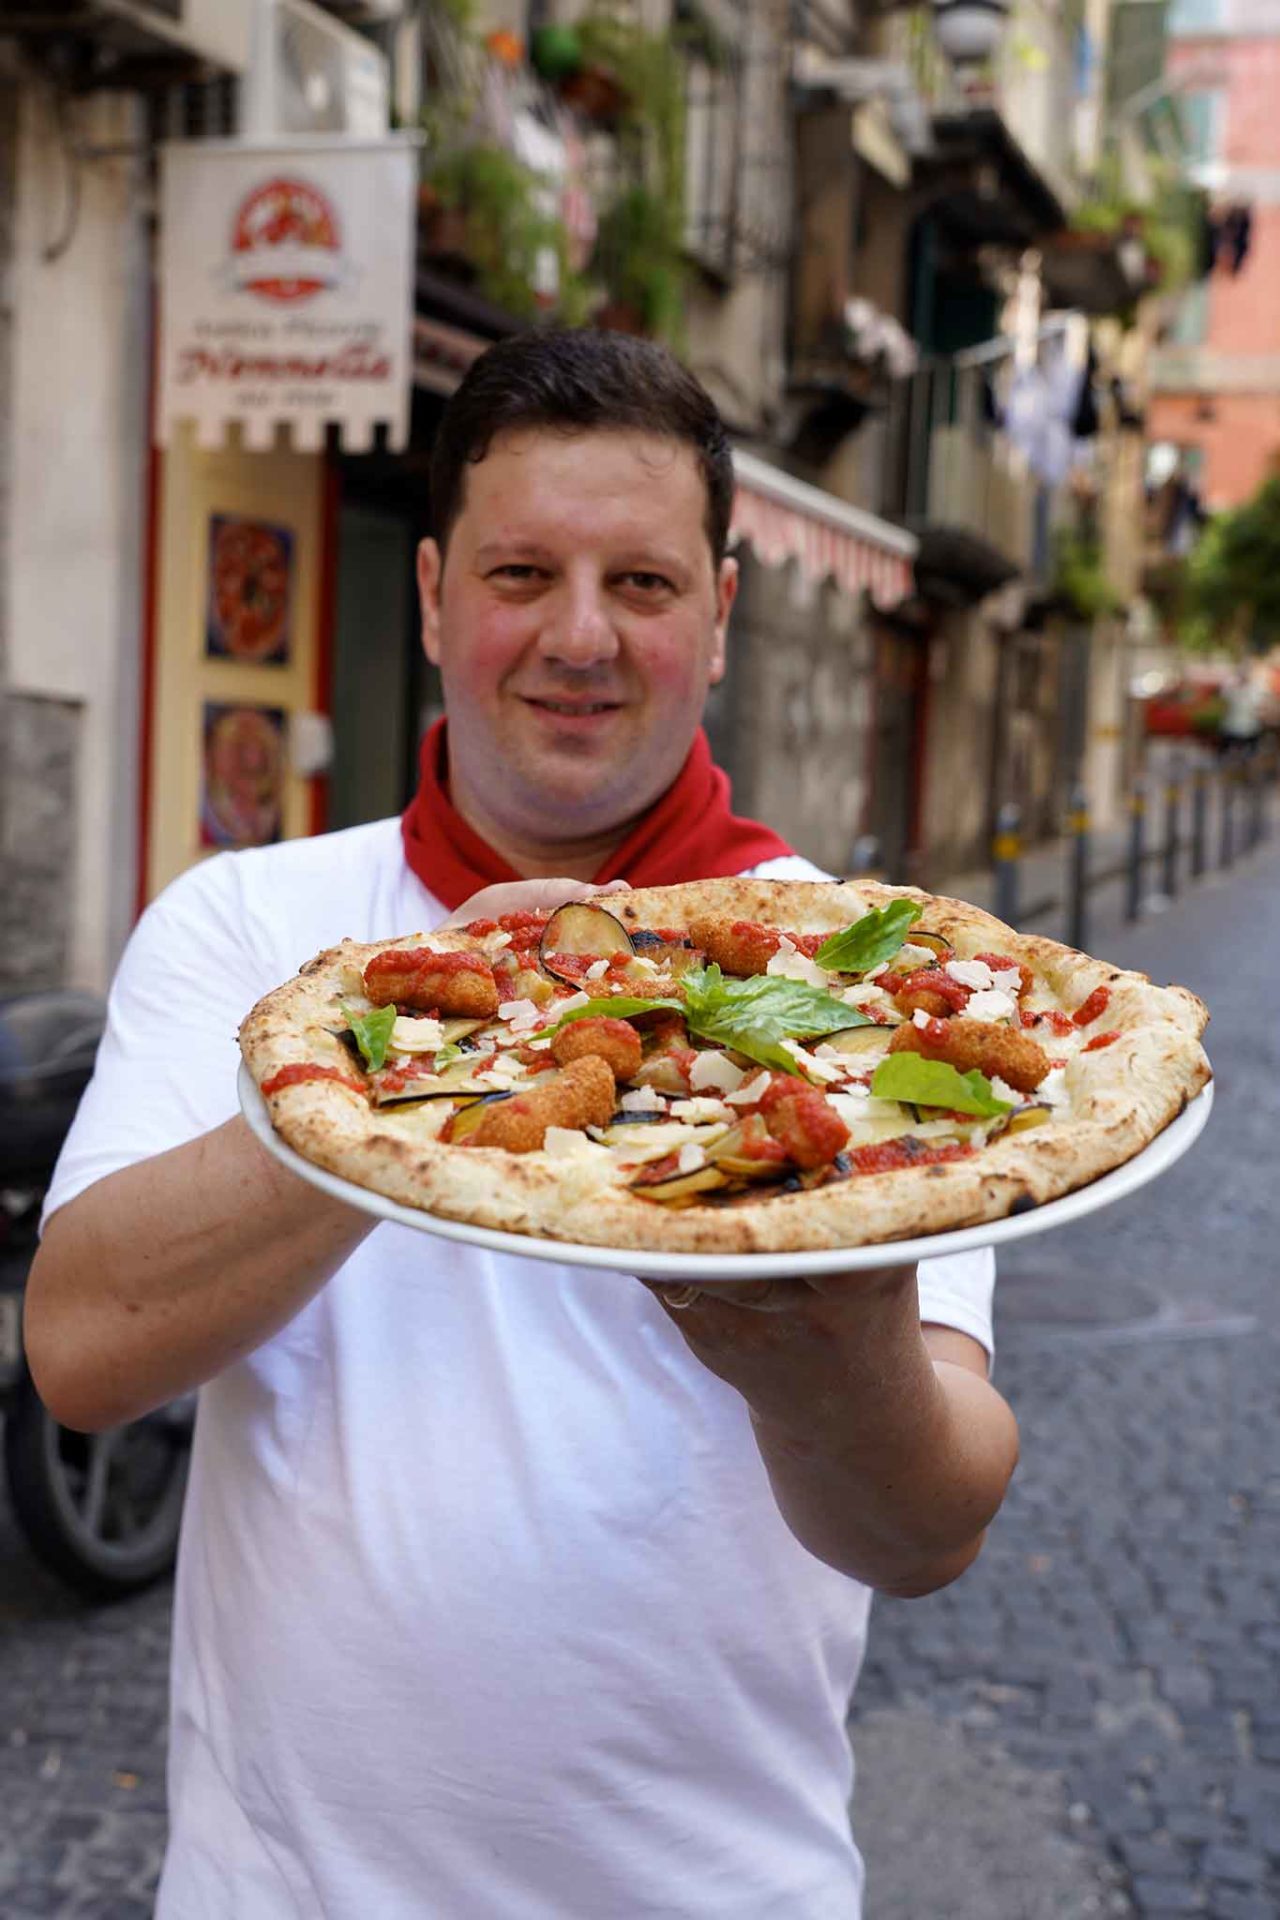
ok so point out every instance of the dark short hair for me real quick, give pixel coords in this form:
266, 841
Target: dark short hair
578, 381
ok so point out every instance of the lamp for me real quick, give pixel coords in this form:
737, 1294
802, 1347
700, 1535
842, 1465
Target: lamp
968, 31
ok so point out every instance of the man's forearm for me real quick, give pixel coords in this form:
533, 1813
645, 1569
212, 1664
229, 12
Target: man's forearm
893, 1476
162, 1275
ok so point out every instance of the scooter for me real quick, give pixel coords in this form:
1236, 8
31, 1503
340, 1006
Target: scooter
102, 1510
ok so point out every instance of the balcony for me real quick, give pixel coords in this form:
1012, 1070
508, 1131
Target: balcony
955, 478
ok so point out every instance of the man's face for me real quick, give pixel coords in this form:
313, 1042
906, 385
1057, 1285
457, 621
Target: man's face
577, 623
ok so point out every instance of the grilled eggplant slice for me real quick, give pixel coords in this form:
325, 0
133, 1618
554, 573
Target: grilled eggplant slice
581, 931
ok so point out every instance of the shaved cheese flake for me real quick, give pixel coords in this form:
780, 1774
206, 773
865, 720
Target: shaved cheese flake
416, 1036
797, 966
690, 1157
1007, 980
988, 1004
570, 1143
969, 973
428, 1119
635, 1146
916, 956
519, 1012
642, 963
496, 942
711, 1069
747, 1095
920, 1018
864, 994
1003, 1091
808, 1063
571, 1005
858, 1108
703, 1108
642, 1100
597, 970
873, 973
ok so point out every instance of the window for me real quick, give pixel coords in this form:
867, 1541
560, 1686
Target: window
1202, 124
712, 121
1195, 16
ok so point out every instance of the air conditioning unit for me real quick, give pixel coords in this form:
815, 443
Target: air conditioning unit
215, 33
327, 77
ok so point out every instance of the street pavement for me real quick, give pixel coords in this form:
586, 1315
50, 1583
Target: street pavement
1089, 1722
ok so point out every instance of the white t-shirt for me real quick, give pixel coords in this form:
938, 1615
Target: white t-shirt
484, 1608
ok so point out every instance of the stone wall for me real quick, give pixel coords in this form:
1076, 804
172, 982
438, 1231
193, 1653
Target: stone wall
792, 723
39, 740
37, 737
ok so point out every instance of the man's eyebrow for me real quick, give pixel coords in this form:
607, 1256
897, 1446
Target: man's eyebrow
510, 550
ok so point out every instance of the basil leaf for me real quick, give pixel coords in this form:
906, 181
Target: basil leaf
876, 937
935, 1083
448, 1053
620, 1007
373, 1034
752, 1016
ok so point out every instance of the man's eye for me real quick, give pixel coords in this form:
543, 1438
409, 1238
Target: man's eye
514, 571
649, 582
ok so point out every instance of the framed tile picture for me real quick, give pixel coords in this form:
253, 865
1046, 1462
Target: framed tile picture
249, 608
242, 774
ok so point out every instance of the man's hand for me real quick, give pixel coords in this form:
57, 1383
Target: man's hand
528, 896
887, 1450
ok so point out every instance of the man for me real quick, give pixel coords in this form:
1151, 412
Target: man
506, 1589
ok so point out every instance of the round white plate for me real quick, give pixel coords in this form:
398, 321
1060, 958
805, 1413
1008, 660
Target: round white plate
1155, 1159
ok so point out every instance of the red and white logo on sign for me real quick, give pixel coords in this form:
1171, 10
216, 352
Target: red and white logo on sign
285, 242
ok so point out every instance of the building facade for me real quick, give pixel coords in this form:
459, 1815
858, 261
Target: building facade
1216, 379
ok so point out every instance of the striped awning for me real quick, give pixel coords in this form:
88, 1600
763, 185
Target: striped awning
787, 519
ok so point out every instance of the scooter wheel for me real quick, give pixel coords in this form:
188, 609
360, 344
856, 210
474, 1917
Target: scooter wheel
102, 1510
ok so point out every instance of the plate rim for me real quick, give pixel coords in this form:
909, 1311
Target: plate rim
1155, 1158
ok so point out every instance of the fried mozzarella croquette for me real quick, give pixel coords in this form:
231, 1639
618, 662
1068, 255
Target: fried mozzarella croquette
802, 1120
581, 1095
735, 946
459, 984
613, 1041
1018, 1059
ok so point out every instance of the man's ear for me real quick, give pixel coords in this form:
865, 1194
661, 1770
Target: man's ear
430, 570
726, 594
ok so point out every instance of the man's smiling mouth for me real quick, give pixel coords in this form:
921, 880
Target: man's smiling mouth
575, 707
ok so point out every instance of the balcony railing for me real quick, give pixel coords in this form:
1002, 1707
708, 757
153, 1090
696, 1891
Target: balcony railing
947, 462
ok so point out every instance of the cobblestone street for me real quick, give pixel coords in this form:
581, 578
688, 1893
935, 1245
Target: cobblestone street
1089, 1722
1121, 1631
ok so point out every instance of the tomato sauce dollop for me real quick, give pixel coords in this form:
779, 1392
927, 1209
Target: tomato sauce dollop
300, 1072
1093, 1008
887, 1156
1100, 1040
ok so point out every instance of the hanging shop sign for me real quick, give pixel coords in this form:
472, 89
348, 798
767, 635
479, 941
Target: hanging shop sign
286, 289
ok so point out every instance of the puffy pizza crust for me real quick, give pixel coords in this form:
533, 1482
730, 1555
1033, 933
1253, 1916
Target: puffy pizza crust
1122, 1096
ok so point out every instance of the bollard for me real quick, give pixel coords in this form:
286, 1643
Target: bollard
1172, 809
1078, 869
1005, 850
1253, 811
1199, 820
1227, 783
1267, 776
1137, 814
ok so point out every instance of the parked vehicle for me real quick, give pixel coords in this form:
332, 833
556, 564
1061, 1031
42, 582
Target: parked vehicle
103, 1509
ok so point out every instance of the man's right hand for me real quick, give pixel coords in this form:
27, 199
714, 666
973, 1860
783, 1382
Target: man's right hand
527, 896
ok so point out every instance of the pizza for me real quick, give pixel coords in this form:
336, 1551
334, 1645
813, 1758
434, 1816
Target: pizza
727, 1066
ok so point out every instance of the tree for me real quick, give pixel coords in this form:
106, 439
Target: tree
1233, 577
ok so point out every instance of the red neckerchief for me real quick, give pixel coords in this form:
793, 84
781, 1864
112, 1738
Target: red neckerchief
689, 834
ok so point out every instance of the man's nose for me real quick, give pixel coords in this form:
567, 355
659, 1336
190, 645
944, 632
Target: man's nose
580, 630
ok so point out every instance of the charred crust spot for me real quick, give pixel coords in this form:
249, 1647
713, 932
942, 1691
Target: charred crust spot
1025, 1203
